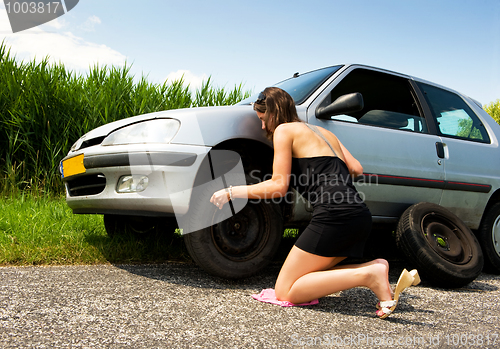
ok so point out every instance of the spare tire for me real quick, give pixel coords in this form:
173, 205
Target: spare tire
439, 245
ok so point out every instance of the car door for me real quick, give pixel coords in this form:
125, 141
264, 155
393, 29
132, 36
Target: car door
389, 136
469, 156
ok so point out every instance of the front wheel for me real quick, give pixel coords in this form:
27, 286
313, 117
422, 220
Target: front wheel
439, 245
239, 246
489, 237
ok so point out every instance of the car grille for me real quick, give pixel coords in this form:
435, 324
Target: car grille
86, 185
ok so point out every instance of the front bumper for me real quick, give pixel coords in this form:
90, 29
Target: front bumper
171, 173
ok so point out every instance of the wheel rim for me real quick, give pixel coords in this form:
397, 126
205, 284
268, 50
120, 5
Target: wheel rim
495, 235
242, 236
446, 239
142, 225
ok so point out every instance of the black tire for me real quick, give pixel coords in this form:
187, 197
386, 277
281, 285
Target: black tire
140, 226
489, 238
238, 246
439, 245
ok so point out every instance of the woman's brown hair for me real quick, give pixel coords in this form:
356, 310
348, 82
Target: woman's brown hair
278, 107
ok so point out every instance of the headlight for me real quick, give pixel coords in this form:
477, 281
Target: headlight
151, 131
77, 144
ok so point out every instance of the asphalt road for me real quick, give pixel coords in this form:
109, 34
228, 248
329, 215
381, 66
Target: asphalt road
179, 306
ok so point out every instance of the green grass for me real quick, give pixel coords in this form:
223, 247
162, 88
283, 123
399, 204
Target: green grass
44, 231
38, 230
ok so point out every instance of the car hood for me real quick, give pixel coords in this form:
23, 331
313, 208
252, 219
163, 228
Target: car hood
206, 126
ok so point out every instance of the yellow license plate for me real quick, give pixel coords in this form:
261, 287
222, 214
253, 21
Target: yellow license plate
73, 166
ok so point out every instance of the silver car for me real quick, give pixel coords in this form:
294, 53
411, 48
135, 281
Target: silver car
430, 156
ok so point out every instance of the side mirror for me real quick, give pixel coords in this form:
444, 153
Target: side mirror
345, 104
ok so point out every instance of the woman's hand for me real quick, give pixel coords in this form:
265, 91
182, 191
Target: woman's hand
220, 198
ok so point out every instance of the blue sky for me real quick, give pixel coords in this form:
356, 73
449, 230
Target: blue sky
455, 43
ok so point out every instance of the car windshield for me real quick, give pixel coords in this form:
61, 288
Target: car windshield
300, 87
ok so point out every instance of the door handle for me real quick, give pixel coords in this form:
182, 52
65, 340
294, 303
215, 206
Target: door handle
440, 150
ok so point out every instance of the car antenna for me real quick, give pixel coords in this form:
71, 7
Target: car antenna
296, 75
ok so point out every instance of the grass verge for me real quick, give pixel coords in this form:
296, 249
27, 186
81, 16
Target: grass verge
38, 230
44, 231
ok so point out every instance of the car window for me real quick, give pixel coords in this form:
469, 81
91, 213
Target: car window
454, 117
301, 86
388, 101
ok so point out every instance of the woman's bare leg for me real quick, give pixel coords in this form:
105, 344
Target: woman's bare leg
305, 276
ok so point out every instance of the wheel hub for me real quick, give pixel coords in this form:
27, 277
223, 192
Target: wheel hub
446, 239
241, 236
141, 225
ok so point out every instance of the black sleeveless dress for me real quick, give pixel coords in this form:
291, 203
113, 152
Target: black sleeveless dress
341, 221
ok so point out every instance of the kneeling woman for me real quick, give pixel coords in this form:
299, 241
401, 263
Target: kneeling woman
316, 163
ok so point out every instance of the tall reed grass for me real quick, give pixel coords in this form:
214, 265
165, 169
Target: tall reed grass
45, 108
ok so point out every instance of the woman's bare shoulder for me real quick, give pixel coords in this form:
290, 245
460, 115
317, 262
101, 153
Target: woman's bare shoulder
289, 127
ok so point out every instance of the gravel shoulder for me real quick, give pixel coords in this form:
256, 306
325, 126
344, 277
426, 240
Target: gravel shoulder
177, 305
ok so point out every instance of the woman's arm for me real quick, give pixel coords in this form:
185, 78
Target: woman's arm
354, 166
275, 187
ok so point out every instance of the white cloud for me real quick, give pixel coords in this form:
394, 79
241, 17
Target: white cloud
90, 23
193, 80
74, 52
55, 23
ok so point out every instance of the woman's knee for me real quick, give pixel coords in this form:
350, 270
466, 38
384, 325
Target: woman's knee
281, 292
